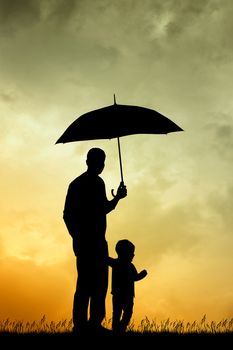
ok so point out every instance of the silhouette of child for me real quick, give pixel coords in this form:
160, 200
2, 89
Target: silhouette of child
124, 274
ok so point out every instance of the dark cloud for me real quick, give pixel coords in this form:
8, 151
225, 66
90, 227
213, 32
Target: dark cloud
20, 16
193, 32
18, 13
60, 12
186, 14
64, 40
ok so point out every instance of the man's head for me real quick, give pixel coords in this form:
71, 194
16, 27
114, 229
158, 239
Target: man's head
95, 160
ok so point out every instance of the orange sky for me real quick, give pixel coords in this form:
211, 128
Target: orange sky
61, 59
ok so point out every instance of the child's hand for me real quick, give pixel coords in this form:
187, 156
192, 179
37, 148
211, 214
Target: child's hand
143, 273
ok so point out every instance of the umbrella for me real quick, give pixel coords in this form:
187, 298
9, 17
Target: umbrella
115, 121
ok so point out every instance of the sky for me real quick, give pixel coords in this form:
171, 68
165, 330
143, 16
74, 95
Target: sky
62, 58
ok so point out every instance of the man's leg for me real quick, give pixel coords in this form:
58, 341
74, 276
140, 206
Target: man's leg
98, 296
99, 286
81, 297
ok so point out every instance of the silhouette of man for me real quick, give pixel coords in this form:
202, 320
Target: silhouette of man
85, 211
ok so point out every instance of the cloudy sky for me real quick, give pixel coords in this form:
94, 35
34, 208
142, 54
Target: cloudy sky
62, 58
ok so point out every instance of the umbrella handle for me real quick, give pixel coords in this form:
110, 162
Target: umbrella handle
112, 191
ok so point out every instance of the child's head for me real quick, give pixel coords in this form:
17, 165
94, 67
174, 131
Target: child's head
125, 249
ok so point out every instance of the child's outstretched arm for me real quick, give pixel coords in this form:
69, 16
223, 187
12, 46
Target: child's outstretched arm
141, 275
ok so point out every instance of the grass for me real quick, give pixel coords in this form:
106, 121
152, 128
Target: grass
146, 326
176, 333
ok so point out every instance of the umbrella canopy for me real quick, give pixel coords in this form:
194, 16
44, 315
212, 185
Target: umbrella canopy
115, 121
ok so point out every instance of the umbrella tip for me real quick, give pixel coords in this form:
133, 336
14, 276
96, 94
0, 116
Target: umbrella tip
114, 97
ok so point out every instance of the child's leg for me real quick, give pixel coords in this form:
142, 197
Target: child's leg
127, 314
116, 313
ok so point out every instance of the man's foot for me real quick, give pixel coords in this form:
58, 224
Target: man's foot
99, 330
78, 330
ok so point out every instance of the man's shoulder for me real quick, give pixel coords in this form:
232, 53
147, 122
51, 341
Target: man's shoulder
84, 181
100, 180
78, 180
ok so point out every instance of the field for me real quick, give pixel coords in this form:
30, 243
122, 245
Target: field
167, 332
